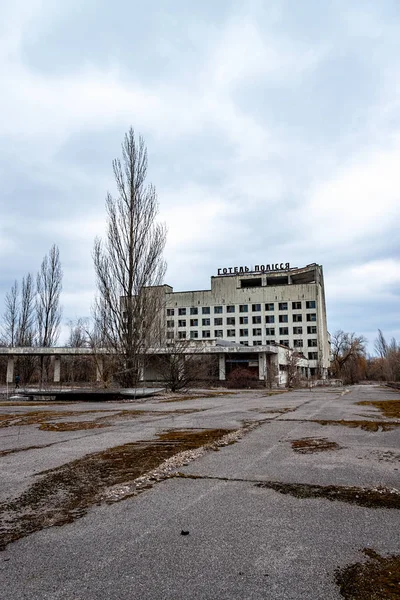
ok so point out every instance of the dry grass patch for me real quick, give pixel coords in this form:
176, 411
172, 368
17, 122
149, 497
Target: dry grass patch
365, 425
388, 408
311, 445
184, 398
72, 426
378, 497
376, 579
64, 494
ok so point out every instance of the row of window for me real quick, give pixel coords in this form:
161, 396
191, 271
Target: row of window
218, 321
218, 333
243, 308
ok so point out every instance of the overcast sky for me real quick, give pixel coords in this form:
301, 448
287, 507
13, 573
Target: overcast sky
273, 132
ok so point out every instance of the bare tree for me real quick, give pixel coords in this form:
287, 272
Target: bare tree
48, 309
27, 333
348, 352
293, 374
179, 368
387, 366
26, 319
10, 319
129, 263
381, 345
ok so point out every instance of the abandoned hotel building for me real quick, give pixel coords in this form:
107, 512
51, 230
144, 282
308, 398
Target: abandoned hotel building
259, 318
255, 316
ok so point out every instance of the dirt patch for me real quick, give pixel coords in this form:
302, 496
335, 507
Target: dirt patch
279, 411
365, 425
311, 445
64, 494
386, 456
378, 497
72, 426
38, 417
388, 408
47, 419
33, 403
376, 579
14, 450
196, 397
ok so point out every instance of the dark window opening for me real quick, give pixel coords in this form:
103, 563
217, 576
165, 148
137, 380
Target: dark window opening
250, 283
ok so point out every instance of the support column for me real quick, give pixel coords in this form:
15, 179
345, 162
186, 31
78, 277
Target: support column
222, 367
141, 370
10, 370
274, 370
99, 368
57, 369
262, 366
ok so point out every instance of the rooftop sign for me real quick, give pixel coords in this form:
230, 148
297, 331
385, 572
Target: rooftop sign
257, 269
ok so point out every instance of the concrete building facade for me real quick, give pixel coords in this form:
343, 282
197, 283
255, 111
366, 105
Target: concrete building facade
267, 305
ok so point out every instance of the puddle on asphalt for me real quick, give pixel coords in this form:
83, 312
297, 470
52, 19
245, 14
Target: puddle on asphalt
378, 497
375, 579
64, 494
311, 445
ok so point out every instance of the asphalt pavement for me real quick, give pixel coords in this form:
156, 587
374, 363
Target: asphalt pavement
212, 530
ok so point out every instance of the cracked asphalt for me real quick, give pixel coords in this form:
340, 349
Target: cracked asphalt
244, 540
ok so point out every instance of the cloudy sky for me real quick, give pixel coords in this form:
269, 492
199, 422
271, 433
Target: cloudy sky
273, 132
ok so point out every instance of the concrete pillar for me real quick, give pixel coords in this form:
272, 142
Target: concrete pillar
222, 367
57, 369
10, 370
141, 370
99, 368
262, 366
308, 372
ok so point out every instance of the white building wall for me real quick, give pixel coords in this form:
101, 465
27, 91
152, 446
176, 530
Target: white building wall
227, 295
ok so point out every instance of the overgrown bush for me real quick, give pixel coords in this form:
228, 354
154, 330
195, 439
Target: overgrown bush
242, 378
